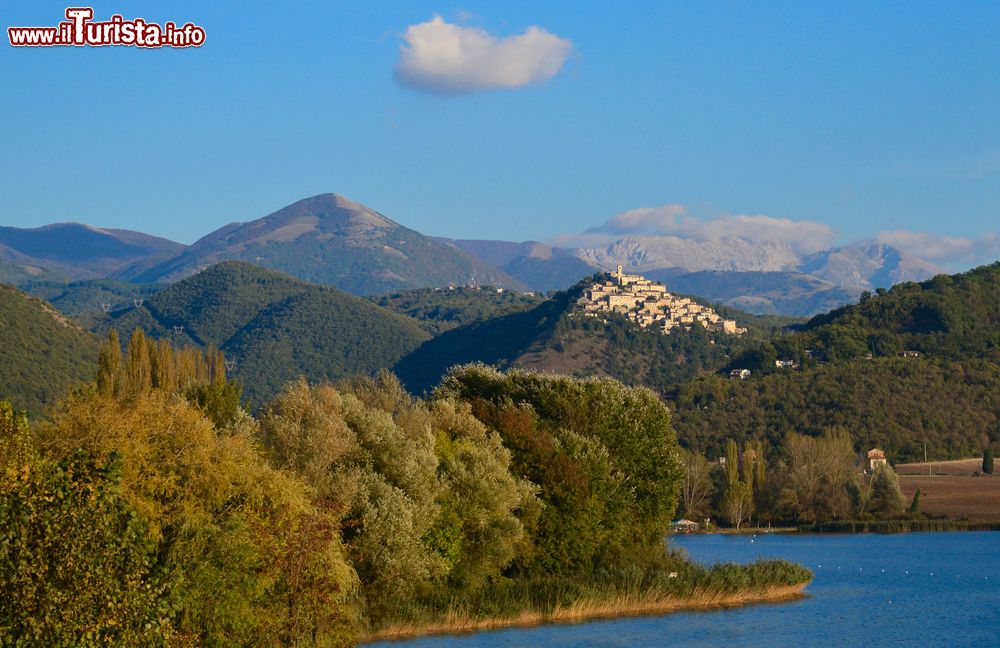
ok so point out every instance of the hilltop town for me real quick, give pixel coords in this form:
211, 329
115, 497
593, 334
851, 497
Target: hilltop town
647, 303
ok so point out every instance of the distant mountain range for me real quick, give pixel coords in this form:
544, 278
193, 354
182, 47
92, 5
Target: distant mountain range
331, 240
75, 251
645, 253
787, 293
759, 277
537, 265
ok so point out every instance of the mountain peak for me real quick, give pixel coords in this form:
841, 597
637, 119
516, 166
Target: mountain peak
330, 239
652, 252
863, 267
326, 213
331, 205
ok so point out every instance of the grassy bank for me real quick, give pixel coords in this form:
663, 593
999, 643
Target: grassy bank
752, 531
630, 592
897, 526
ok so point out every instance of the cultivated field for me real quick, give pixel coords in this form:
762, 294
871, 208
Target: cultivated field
954, 489
964, 467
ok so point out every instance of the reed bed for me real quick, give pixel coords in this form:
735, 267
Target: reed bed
897, 526
633, 591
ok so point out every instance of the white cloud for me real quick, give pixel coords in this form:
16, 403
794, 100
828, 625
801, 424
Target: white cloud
947, 250
674, 220
444, 58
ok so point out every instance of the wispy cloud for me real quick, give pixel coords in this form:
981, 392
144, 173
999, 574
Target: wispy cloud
445, 58
675, 220
953, 252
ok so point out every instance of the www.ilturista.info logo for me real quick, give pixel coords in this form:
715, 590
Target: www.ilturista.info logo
80, 30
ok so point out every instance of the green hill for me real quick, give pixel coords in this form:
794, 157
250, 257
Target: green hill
275, 327
44, 352
212, 305
897, 404
943, 392
554, 336
87, 300
441, 309
950, 316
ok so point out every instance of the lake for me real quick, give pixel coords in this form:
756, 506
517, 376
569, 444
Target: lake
914, 589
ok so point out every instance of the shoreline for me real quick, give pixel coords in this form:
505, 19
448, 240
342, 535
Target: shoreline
857, 526
898, 526
623, 606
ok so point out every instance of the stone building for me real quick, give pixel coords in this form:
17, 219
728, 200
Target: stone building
876, 459
647, 303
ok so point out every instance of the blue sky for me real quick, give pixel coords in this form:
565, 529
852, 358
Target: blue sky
876, 120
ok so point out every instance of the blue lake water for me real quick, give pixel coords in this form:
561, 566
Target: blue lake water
915, 589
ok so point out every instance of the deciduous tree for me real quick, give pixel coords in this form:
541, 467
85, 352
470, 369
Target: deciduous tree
696, 486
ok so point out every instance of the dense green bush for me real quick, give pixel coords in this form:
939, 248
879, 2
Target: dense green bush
602, 453
76, 567
423, 490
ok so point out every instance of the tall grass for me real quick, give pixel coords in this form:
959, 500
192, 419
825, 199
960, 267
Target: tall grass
622, 591
897, 526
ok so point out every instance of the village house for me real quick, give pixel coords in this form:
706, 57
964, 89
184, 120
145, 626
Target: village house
647, 303
742, 374
876, 459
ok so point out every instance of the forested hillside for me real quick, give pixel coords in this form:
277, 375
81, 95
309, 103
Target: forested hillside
87, 300
896, 404
918, 364
442, 309
44, 352
950, 316
274, 327
555, 336
323, 335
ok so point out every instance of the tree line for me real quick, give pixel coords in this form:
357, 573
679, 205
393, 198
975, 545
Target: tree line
804, 480
150, 509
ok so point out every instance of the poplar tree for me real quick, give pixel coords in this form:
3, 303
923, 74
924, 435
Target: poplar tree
109, 364
732, 462
138, 369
